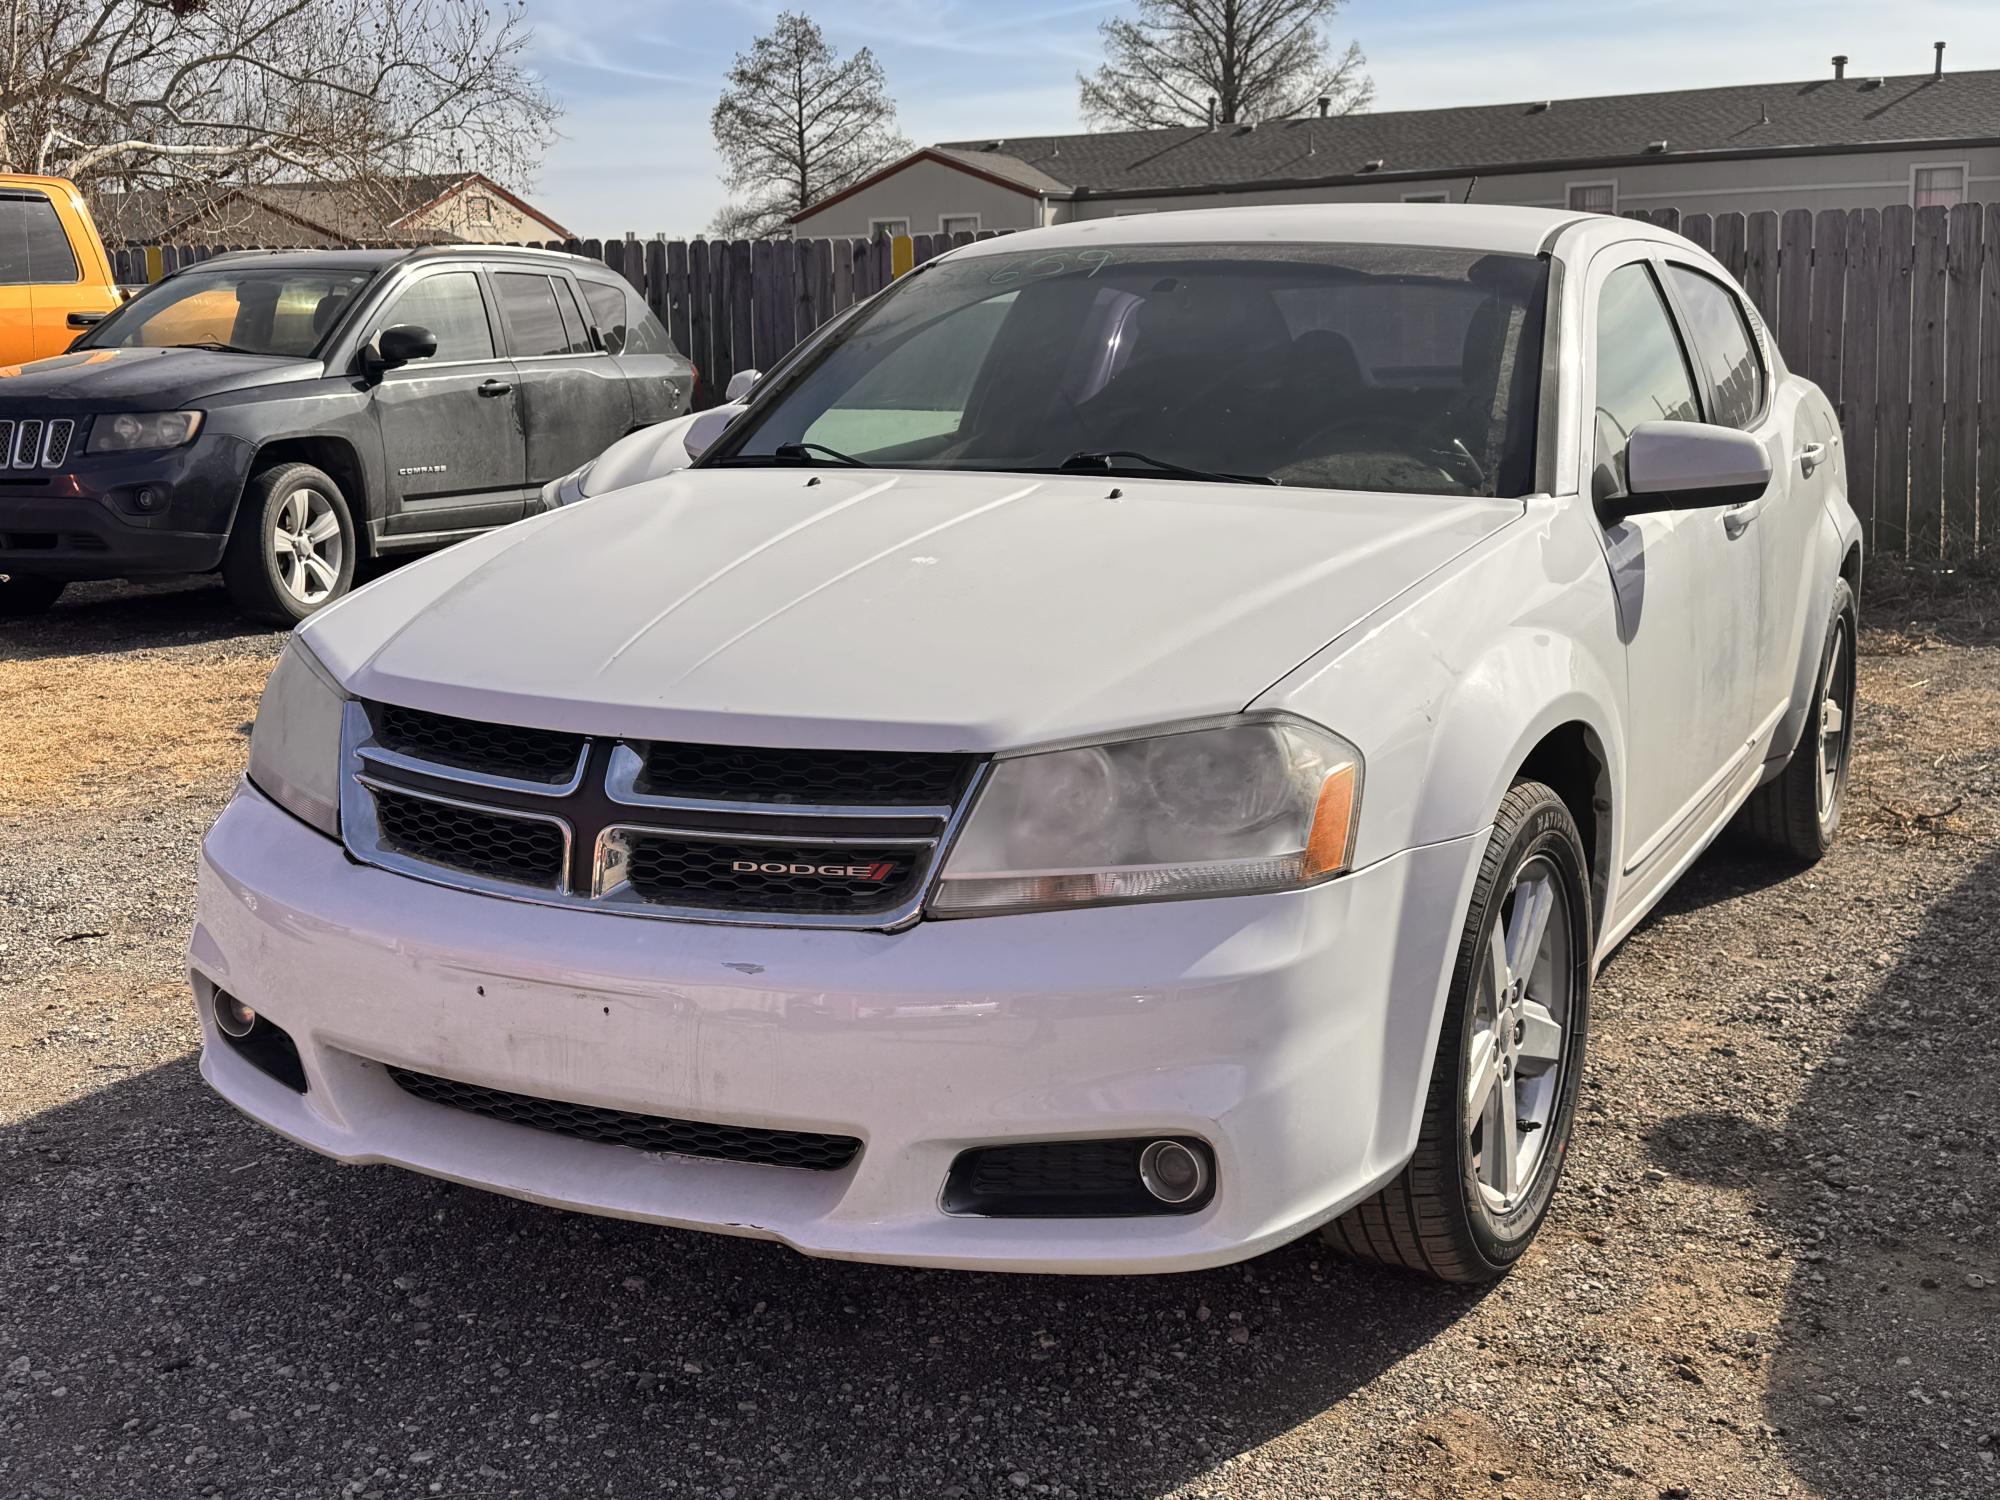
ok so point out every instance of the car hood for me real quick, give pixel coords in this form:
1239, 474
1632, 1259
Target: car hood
874, 609
146, 379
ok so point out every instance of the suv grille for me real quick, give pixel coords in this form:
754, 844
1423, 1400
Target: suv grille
833, 777
32, 443
771, 1148
706, 832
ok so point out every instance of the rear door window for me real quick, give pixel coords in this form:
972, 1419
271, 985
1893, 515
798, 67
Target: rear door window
534, 322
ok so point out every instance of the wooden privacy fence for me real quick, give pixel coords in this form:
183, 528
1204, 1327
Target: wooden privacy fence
1894, 312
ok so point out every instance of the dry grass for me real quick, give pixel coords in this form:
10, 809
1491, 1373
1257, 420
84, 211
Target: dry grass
103, 730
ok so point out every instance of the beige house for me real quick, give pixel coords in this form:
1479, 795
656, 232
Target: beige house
1842, 141
459, 207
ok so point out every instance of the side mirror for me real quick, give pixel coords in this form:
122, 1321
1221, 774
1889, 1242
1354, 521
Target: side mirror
401, 344
706, 428
740, 384
1690, 465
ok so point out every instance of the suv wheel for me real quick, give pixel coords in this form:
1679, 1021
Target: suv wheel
1503, 1088
293, 549
23, 594
1797, 814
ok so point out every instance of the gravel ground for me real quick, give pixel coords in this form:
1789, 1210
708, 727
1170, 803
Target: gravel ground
1770, 1272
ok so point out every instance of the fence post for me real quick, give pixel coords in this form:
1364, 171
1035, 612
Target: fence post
1894, 289
1795, 254
1760, 265
742, 291
1961, 396
1989, 377
700, 344
1927, 386
1829, 286
1858, 392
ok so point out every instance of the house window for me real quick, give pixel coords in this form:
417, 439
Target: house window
479, 209
1593, 197
880, 228
959, 223
1937, 187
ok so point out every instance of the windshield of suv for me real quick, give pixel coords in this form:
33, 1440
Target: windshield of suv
249, 309
1368, 367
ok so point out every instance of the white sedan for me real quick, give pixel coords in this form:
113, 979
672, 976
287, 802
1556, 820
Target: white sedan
1130, 751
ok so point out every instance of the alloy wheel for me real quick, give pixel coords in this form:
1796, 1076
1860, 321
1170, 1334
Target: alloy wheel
1515, 1059
307, 546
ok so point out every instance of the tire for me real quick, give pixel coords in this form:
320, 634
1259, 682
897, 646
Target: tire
293, 548
24, 594
1453, 1213
1797, 813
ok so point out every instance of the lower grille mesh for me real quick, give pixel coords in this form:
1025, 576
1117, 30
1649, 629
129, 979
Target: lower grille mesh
771, 1148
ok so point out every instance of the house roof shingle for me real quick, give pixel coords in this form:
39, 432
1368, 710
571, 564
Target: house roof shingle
1753, 119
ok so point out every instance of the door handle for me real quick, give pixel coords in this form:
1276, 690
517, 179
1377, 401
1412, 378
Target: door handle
84, 319
1811, 457
494, 387
1737, 521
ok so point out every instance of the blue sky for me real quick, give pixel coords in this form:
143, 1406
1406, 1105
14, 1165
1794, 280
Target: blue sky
638, 77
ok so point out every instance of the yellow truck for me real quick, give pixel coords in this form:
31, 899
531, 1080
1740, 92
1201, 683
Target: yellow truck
55, 279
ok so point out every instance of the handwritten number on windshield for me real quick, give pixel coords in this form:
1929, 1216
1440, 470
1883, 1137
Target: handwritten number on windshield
1052, 265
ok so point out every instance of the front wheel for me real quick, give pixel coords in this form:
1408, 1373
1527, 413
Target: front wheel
1503, 1088
293, 548
22, 594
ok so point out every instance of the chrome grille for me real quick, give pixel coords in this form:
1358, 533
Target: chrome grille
34, 443
700, 832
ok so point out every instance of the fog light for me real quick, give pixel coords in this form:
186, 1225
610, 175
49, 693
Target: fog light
147, 498
1172, 1173
232, 1016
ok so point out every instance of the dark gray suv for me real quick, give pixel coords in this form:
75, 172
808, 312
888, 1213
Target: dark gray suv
282, 416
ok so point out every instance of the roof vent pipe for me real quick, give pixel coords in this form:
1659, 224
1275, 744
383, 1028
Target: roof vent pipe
1325, 105
1541, 106
1938, 70
1839, 65
1211, 111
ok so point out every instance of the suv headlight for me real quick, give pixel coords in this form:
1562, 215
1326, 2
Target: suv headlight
132, 430
1256, 805
295, 744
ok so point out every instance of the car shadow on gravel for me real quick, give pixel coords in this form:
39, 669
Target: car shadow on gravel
200, 1287
1884, 1184
93, 618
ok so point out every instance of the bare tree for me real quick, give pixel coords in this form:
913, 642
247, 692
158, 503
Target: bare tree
797, 123
1247, 60
201, 97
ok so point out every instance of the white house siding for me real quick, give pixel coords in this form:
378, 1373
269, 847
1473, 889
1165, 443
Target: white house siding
925, 193
1861, 179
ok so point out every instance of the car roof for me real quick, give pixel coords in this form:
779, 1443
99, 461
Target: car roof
375, 260
1453, 226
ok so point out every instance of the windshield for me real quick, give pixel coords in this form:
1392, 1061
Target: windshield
1362, 367
246, 308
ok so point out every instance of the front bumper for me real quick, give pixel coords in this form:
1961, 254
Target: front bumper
1293, 1033
86, 521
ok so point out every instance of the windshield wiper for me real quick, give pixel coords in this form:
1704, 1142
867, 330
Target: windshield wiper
214, 345
803, 453
1108, 461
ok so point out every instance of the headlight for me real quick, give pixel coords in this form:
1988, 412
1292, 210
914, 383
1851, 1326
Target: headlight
143, 429
1259, 805
570, 488
295, 745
